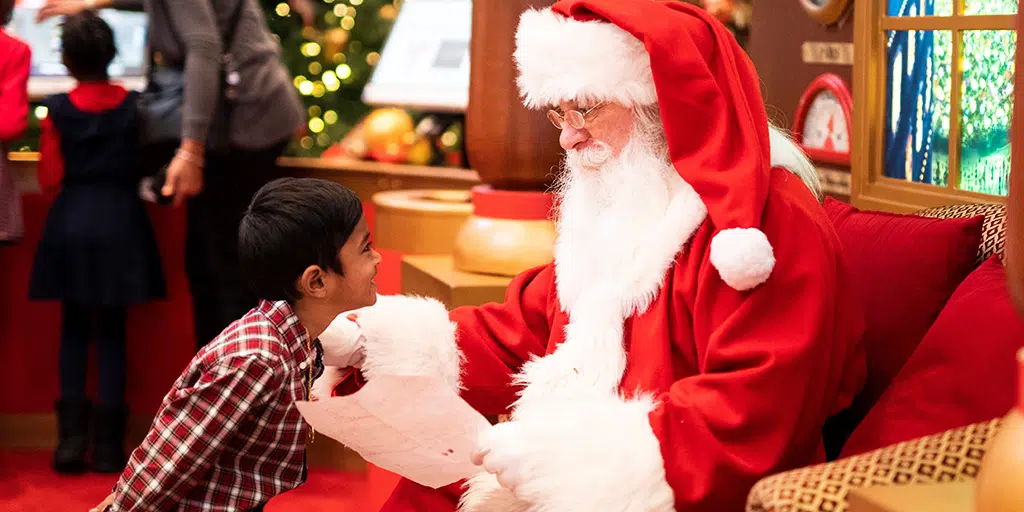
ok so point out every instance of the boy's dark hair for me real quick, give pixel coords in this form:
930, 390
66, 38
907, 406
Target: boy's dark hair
6, 11
87, 43
290, 224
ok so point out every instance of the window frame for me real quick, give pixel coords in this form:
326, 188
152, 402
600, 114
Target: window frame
870, 188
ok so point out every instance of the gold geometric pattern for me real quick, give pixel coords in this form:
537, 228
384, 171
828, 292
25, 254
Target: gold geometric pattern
993, 229
948, 456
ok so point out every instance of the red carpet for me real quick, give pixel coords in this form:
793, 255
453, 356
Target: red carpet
27, 484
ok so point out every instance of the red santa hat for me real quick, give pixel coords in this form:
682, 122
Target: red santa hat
675, 55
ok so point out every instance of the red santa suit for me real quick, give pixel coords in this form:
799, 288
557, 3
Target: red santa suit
711, 358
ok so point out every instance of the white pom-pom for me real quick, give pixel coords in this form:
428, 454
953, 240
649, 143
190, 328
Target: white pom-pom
743, 257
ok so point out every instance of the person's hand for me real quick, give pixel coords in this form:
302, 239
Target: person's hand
343, 342
546, 457
305, 10
109, 500
60, 8
184, 179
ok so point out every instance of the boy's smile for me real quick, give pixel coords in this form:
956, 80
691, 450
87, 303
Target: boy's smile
359, 267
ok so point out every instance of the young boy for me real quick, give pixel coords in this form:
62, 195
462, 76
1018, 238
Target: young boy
228, 435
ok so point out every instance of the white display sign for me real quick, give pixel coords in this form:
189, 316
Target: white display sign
425, 62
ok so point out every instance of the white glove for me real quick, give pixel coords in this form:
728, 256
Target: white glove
342, 342
589, 454
500, 450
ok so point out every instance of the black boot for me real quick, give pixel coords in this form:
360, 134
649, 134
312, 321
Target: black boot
73, 435
108, 439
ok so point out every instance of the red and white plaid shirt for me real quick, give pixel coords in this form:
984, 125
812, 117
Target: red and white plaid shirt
228, 435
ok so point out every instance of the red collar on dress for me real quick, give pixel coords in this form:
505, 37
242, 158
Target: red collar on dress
97, 96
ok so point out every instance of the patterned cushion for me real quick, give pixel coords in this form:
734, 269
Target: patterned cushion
949, 456
993, 235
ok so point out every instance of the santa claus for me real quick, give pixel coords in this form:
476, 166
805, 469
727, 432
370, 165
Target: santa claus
697, 326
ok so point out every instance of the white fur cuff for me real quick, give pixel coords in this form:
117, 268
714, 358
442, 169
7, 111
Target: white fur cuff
593, 454
407, 335
743, 257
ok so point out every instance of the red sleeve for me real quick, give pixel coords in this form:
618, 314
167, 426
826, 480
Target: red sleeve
51, 161
496, 339
777, 361
14, 93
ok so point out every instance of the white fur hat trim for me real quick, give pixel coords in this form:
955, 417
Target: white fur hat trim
561, 59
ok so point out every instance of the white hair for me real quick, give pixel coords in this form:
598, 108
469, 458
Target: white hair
784, 151
786, 154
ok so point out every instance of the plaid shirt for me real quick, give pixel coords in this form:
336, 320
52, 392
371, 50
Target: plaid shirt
228, 435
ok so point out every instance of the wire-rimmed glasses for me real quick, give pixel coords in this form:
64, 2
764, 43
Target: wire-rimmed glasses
574, 118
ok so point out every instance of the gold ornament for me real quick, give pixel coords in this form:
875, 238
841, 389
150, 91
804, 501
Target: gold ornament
387, 133
421, 152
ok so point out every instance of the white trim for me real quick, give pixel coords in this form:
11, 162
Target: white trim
563, 59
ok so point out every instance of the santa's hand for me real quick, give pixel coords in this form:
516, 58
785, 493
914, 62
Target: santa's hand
342, 342
595, 453
500, 452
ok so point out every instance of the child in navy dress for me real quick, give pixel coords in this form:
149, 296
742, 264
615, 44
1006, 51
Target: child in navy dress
97, 254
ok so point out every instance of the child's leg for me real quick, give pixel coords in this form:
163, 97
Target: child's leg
74, 351
111, 413
72, 407
110, 352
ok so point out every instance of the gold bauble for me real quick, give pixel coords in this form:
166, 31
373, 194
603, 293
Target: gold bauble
421, 152
387, 130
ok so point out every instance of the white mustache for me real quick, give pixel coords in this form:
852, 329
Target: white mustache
592, 157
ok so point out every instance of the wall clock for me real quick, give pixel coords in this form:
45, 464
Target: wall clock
824, 120
825, 12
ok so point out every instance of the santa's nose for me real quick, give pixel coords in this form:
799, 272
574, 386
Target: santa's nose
571, 137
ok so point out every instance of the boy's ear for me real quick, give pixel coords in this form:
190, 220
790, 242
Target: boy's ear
311, 282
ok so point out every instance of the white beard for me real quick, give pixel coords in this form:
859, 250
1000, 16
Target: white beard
607, 208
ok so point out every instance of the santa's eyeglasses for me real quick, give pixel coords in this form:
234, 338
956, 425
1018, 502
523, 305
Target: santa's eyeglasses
574, 118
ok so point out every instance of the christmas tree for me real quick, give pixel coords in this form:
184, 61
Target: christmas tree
331, 61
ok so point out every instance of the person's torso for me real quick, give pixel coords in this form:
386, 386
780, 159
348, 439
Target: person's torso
12, 50
267, 104
99, 148
252, 43
266, 453
98, 202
